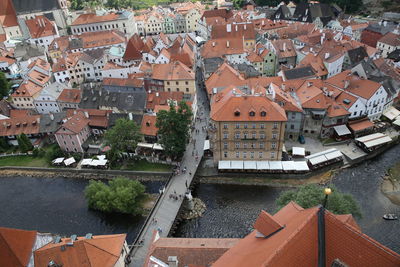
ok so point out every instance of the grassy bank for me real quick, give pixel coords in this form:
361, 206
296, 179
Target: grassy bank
25, 161
143, 165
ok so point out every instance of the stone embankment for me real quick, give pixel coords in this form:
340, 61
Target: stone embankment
199, 207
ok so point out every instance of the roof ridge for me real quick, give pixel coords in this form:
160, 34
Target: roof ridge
93, 245
10, 249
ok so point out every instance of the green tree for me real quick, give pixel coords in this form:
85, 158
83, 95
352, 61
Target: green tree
4, 145
120, 195
237, 4
77, 4
53, 153
4, 85
122, 137
312, 195
173, 128
24, 143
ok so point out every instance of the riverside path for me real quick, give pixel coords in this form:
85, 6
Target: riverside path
166, 209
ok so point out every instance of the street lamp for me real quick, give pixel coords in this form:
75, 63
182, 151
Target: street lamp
327, 192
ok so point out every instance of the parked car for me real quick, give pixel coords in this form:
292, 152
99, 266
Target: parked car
302, 140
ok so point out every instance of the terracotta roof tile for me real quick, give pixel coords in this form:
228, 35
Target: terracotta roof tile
266, 224
22, 123
16, 247
233, 31
311, 96
149, 125
102, 250
70, 96
162, 98
134, 48
360, 125
131, 82
74, 124
102, 38
27, 88
284, 48
225, 75
172, 71
217, 48
40, 27
93, 18
8, 16
390, 39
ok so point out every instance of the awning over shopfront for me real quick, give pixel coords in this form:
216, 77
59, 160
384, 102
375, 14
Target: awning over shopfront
206, 144
392, 113
341, 130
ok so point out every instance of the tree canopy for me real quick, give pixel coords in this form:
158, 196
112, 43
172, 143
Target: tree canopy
24, 143
173, 129
4, 85
312, 195
121, 195
123, 136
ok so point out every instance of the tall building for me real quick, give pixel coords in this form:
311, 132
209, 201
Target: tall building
246, 126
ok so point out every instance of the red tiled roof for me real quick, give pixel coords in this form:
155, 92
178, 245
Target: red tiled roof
360, 125
162, 98
123, 82
16, 247
233, 31
70, 96
284, 48
266, 224
172, 71
8, 17
104, 250
102, 38
74, 124
224, 46
311, 96
40, 27
149, 125
225, 75
16, 125
93, 18
97, 118
228, 103
390, 39
27, 88
134, 48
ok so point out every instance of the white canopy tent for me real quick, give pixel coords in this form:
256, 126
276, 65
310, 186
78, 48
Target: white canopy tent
69, 161
249, 165
342, 130
298, 151
58, 160
262, 165
237, 165
392, 113
206, 144
224, 165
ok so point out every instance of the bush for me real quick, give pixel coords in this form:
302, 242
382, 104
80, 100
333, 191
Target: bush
35, 152
53, 153
312, 195
120, 195
24, 144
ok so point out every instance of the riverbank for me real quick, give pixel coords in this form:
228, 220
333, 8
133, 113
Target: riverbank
86, 174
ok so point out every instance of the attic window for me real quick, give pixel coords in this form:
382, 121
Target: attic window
263, 113
237, 113
252, 113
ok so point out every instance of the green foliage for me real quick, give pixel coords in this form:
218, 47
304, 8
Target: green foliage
122, 137
53, 153
24, 144
120, 195
4, 146
238, 4
173, 128
312, 195
271, 3
77, 4
4, 86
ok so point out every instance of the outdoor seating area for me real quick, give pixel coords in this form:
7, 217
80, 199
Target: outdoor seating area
324, 158
69, 162
372, 142
100, 163
263, 166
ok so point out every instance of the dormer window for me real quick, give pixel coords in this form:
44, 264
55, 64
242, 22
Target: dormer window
237, 113
263, 113
252, 113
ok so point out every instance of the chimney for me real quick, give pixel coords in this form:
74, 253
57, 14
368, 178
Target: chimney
263, 22
283, 87
228, 27
284, 46
157, 94
236, 27
227, 43
173, 261
245, 27
213, 44
86, 114
309, 84
326, 55
346, 84
385, 23
51, 117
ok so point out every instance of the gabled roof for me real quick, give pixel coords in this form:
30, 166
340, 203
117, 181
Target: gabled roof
70, 96
296, 244
16, 247
316, 63
172, 71
134, 48
224, 13
40, 27
8, 17
225, 75
27, 89
74, 124
357, 54
34, 6
232, 105
94, 18
232, 31
299, 73
162, 98
104, 250
101, 38
149, 125
390, 39
223, 46
311, 96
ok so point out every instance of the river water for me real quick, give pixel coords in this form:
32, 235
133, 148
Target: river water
58, 205
232, 210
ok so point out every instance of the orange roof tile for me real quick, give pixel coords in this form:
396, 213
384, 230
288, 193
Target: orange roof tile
93, 18
40, 27
132, 81
162, 98
8, 16
102, 38
232, 105
149, 125
334, 109
316, 64
360, 125
172, 71
15, 125
286, 100
97, 118
70, 96
103, 250
233, 31
134, 48
16, 247
266, 224
390, 39
217, 48
225, 75
74, 124
9, 61
345, 99
311, 96
284, 48
27, 89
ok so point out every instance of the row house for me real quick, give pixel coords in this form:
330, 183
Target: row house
26, 53
210, 18
284, 50
244, 31
354, 30
46, 101
122, 21
140, 24
246, 127
191, 13
41, 31
23, 97
153, 24
9, 26
388, 43
231, 49
18, 123
73, 133
176, 77
375, 31
60, 71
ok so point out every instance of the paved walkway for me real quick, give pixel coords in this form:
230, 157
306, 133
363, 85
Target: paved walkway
167, 209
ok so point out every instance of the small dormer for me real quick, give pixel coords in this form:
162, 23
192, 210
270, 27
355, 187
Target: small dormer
237, 112
263, 113
252, 113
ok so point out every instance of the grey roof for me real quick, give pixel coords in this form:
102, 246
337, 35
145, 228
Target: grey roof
388, 83
122, 101
212, 64
283, 12
381, 28
96, 54
53, 89
32, 6
25, 51
50, 16
395, 55
76, 43
357, 54
248, 70
49, 125
299, 73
